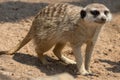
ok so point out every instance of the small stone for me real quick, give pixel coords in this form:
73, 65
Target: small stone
110, 50
96, 61
105, 53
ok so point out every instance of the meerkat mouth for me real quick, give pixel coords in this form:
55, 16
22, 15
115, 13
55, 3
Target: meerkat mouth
100, 22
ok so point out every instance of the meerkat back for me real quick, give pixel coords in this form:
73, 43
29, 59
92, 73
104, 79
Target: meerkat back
51, 25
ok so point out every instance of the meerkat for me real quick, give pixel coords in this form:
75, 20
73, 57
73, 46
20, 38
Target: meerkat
59, 23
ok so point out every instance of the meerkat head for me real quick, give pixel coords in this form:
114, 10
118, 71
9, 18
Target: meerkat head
96, 13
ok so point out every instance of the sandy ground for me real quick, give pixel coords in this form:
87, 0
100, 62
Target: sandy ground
15, 20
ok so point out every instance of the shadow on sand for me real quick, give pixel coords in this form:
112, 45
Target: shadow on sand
15, 10
55, 66
115, 65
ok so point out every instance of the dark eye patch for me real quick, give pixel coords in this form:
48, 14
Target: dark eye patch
106, 12
95, 13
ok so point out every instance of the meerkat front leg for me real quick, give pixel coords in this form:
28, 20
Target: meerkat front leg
88, 54
80, 61
89, 49
57, 51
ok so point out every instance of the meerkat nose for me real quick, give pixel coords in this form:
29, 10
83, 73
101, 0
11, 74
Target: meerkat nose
103, 19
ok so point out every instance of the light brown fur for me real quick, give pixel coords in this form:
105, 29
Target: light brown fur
59, 23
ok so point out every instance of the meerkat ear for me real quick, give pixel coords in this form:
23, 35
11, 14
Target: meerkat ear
83, 13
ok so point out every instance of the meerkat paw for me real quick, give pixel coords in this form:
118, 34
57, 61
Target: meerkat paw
90, 72
67, 60
84, 72
43, 60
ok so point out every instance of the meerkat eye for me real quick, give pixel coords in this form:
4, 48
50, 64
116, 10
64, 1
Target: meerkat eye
95, 12
106, 12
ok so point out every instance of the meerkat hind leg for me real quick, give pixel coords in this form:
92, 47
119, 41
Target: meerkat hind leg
57, 51
40, 50
41, 56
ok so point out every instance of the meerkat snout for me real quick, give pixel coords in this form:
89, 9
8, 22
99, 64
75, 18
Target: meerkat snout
103, 19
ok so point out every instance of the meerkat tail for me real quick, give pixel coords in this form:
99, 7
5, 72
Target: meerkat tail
20, 45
